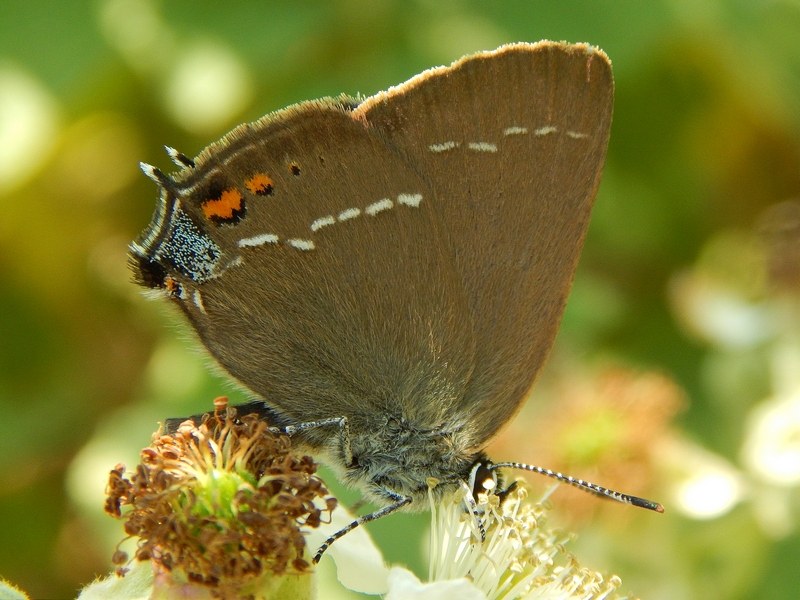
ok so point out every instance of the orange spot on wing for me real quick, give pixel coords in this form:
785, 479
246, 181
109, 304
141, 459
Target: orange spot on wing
225, 208
260, 184
172, 286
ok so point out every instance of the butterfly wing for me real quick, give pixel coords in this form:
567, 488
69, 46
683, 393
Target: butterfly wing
407, 258
304, 251
512, 143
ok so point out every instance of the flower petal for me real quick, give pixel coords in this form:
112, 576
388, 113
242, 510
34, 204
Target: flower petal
359, 562
404, 585
136, 585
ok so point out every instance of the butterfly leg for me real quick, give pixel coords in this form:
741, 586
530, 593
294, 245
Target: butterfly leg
280, 424
398, 502
344, 433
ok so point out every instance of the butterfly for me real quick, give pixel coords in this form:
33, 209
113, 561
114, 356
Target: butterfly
387, 275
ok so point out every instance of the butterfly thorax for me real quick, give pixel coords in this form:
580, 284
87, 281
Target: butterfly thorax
393, 457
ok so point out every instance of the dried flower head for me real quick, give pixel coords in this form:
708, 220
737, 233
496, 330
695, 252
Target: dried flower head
220, 503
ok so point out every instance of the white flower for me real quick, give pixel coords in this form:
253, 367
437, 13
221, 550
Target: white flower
771, 451
359, 562
517, 559
705, 484
772, 446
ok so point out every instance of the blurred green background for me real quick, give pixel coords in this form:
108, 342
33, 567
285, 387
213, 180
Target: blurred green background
677, 371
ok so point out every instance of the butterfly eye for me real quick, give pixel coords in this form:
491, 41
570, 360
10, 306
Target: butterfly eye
482, 478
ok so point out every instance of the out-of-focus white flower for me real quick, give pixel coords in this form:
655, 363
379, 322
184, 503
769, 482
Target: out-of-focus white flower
720, 315
706, 485
772, 442
771, 453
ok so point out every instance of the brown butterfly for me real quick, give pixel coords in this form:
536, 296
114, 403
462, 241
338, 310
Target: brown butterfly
387, 276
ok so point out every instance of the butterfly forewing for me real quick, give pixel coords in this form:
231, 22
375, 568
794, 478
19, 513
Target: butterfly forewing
335, 297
